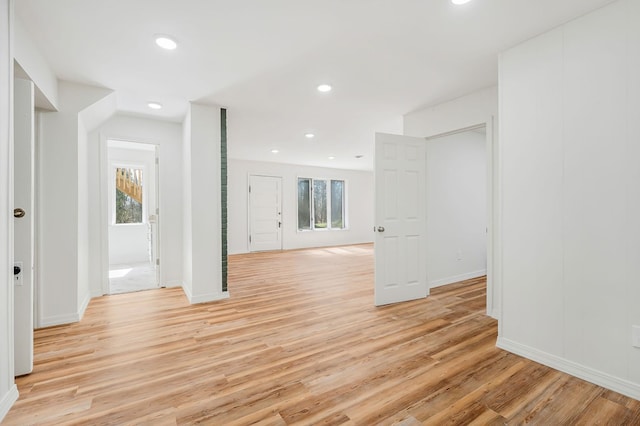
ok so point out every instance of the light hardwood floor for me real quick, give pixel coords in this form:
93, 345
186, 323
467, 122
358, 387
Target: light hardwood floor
299, 342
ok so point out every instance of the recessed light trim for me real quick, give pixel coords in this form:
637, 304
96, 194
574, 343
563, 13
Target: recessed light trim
331, 157
154, 105
166, 42
274, 151
309, 135
324, 88
459, 2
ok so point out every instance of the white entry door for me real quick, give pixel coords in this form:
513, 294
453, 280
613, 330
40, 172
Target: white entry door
265, 213
400, 219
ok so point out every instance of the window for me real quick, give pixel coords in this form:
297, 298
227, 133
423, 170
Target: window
128, 195
321, 204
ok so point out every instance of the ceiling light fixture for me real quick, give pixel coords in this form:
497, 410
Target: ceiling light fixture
331, 157
154, 105
460, 1
166, 42
324, 88
309, 135
274, 151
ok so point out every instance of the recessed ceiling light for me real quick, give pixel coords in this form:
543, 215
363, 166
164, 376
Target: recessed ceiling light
331, 157
166, 42
324, 88
154, 105
309, 135
274, 151
460, 1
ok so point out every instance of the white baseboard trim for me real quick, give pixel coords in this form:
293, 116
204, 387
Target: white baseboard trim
83, 307
7, 401
625, 387
495, 313
172, 284
211, 297
187, 292
59, 320
204, 298
457, 278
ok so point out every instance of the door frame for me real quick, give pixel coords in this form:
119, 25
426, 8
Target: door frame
249, 175
105, 219
493, 278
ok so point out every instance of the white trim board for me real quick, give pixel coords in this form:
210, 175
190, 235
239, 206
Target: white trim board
8, 400
83, 307
171, 284
59, 320
625, 387
204, 298
457, 278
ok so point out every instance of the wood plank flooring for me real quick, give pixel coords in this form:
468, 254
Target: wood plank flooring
298, 342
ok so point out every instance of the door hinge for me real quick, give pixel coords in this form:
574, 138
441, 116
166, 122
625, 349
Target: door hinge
249, 189
158, 261
157, 160
157, 211
249, 238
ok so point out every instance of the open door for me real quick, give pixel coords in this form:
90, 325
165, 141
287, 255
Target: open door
24, 224
400, 219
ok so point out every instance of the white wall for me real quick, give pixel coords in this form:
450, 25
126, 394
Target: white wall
456, 208
359, 204
63, 279
187, 227
570, 102
82, 195
471, 110
202, 208
168, 137
466, 111
36, 68
8, 390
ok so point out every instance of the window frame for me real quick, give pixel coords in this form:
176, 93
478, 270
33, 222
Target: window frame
329, 228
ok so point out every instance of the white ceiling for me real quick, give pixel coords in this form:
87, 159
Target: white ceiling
262, 59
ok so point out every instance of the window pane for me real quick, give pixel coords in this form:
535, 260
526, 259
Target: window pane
337, 204
304, 204
128, 195
320, 204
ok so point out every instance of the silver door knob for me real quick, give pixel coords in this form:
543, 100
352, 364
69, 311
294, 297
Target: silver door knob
380, 228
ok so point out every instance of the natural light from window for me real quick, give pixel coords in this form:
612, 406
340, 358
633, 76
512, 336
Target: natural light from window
321, 204
128, 199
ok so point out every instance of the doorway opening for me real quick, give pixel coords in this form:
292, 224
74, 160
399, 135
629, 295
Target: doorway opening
457, 206
133, 214
414, 251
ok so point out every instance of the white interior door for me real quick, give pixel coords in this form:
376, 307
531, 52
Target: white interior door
265, 213
155, 225
400, 219
23, 225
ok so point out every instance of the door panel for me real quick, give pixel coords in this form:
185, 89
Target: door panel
24, 227
265, 213
400, 212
